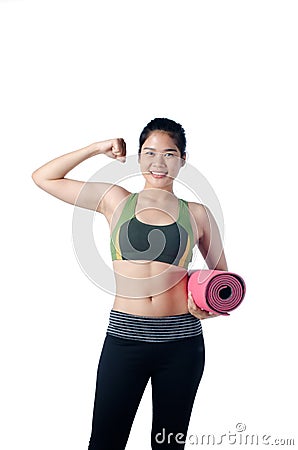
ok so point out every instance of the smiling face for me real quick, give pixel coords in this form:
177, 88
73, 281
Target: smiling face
160, 161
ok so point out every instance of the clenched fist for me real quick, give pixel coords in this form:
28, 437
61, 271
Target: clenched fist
113, 148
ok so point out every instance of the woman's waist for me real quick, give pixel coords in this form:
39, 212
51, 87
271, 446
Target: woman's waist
138, 327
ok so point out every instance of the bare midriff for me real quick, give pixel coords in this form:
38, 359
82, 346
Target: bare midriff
150, 288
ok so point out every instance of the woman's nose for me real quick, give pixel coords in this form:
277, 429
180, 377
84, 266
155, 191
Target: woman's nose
158, 156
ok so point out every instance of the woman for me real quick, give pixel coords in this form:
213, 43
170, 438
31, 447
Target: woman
154, 329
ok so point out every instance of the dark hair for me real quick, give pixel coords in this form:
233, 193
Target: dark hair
169, 126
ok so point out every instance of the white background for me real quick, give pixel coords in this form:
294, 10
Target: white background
74, 72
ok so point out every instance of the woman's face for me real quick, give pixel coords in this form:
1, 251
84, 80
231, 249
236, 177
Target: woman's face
160, 159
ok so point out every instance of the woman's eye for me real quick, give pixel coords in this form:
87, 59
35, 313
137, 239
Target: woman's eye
152, 154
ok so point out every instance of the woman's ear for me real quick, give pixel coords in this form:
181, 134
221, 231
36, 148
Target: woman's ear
183, 159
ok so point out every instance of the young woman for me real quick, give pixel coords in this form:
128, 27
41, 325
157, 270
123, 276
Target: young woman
154, 329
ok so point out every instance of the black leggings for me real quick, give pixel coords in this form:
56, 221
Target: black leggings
125, 366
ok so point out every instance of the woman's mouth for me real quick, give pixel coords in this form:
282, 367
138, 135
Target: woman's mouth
158, 174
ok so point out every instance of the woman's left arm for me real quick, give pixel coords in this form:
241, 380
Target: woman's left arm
210, 243
211, 248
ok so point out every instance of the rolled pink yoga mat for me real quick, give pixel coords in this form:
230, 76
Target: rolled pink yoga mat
216, 290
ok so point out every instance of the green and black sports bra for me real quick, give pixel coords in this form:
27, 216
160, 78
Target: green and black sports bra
135, 240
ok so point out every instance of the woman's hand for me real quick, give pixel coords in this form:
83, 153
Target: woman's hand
113, 148
198, 312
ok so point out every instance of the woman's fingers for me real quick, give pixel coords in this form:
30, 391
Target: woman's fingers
119, 149
198, 312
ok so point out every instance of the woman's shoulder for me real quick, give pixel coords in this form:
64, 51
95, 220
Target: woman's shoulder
194, 206
197, 210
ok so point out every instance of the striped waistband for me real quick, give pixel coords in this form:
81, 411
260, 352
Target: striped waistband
153, 329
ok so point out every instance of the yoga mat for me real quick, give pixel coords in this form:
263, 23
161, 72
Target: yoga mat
216, 290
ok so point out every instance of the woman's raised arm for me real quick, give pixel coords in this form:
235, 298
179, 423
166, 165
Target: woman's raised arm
51, 176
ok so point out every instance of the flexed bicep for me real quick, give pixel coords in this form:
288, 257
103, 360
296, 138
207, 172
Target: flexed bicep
89, 195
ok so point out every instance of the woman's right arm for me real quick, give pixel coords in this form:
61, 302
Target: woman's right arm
51, 176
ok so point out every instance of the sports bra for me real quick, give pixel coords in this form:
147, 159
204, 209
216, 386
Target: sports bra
135, 240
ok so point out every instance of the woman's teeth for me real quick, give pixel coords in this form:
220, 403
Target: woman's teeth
158, 174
